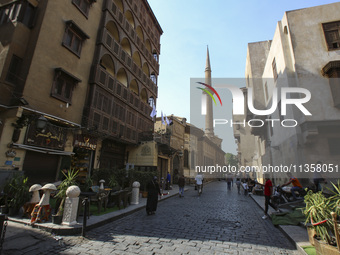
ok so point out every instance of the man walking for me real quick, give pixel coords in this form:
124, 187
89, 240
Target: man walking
181, 184
199, 182
168, 181
268, 194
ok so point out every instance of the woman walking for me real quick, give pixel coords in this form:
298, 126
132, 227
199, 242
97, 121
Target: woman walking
153, 192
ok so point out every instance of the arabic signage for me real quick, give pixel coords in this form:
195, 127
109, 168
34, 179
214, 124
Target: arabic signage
52, 137
85, 141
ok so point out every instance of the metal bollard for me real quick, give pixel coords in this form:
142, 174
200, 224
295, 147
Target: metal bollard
3, 225
86, 204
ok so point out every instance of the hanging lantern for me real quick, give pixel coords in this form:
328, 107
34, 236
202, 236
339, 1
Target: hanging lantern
41, 123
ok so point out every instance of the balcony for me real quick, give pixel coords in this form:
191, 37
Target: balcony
114, 87
120, 18
163, 139
108, 41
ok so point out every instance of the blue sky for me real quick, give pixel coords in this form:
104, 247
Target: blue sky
227, 27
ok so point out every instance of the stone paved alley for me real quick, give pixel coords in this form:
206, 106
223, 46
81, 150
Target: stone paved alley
218, 222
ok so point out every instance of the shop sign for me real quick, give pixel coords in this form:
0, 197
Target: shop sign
83, 141
52, 137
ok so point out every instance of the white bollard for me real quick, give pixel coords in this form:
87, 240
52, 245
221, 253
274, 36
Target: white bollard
135, 193
71, 206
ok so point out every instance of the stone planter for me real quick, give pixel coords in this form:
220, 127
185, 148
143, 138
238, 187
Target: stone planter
311, 233
323, 248
57, 219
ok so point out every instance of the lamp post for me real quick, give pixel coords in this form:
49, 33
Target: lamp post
25, 120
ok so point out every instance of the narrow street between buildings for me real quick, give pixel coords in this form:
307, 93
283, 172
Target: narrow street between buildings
217, 222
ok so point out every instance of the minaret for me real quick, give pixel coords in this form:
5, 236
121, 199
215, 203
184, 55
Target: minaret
209, 129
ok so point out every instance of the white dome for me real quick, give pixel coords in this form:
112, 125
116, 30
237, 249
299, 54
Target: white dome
136, 185
49, 186
73, 191
35, 187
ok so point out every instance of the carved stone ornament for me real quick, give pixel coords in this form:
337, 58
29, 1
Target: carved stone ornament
35, 193
146, 150
73, 191
135, 185
11, 153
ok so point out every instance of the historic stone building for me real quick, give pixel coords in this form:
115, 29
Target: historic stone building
201, 152
160, 150
177, 146
86, 71
304, 53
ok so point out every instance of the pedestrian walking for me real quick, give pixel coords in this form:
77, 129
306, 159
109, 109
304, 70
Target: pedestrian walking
153, 192
199, 183
268, 194
162, 185
168, 181
245, 187
238, 184
229, 180
181, 184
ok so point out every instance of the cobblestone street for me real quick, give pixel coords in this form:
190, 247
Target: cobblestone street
217, 222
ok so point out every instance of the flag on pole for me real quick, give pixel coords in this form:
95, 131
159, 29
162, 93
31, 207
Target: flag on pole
153, 112
163, 122
167, 120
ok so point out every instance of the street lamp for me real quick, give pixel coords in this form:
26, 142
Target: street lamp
41, 123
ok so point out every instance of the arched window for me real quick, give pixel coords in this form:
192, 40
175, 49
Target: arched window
129, 18
113, 30
153, 77
155, 55
144, 96
148, 45
107, 63
119, 4
126, 46
152, 102
122, 77
146, 69
140, 33
134, 87
136, 58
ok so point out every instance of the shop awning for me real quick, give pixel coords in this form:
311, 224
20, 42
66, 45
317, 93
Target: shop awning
42, 150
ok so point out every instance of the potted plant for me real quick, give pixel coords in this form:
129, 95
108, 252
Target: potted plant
121, 176
86, 186
113, 184
69, 180
4, 198
335, 199
318, 212
17, 193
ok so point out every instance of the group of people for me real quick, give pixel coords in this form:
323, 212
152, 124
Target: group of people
248, 185
296, 188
